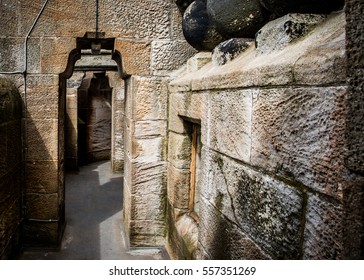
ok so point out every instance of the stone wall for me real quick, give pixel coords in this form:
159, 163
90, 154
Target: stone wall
273, 120
149, 37
11, 169
354, 194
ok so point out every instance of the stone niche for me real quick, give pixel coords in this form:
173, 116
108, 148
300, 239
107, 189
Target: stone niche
274, 178
11, 169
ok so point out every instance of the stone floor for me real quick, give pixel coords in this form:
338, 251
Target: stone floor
94, 219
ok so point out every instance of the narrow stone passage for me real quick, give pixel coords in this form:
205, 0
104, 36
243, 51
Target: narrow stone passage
94, 219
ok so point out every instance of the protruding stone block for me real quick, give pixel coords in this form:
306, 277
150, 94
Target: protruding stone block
277, 34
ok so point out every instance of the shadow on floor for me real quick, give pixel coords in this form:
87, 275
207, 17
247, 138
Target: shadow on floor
94, 219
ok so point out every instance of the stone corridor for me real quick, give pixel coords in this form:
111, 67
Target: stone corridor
94, 219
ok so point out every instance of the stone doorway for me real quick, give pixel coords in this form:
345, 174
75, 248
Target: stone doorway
90, 119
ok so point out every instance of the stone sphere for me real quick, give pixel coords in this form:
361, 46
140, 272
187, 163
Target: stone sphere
237, 18
283, 7
197, 28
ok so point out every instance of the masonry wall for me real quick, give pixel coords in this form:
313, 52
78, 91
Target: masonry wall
11, 169
274, 135
149, 38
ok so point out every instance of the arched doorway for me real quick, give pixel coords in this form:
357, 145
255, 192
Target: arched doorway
100, 80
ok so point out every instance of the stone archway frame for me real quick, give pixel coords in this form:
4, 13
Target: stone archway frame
83, 43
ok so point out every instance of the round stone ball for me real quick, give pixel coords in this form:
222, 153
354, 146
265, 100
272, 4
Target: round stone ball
283, 7
237, 18
197, 28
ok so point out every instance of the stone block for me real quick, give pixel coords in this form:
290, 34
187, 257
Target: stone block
299, 133
198, 61
234, 108
279, 33
267, 210
10, 102
8, 13
42, 206
42, 177
176, 22
169, 55
149, 207
135, 56
179, 152
150, 128
324, 230
54, 53
41, 234
136, 19
324, 63
14, 149
60, 18
178, 187
151, 150
42, 96
220, 238
42, 135
185, 106
150, 99
11, 54
146, 233
148, 178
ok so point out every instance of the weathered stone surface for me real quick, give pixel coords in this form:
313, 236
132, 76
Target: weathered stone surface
354, 193
198, 29
236, 18
42, 139
282, 7
220, 238
151, 99
355, 70
149, 150
233, 107
169, 55
10, 101
150, 128
299, 133
180, 155
54, 54
198, 61
41, 177
324, 229
178, 187
228, 50
11, 172
277, 68
8, 11
277, 34
42, 96
136, 19
267, 210
146, 233
184, 105
42, 206
135, 56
